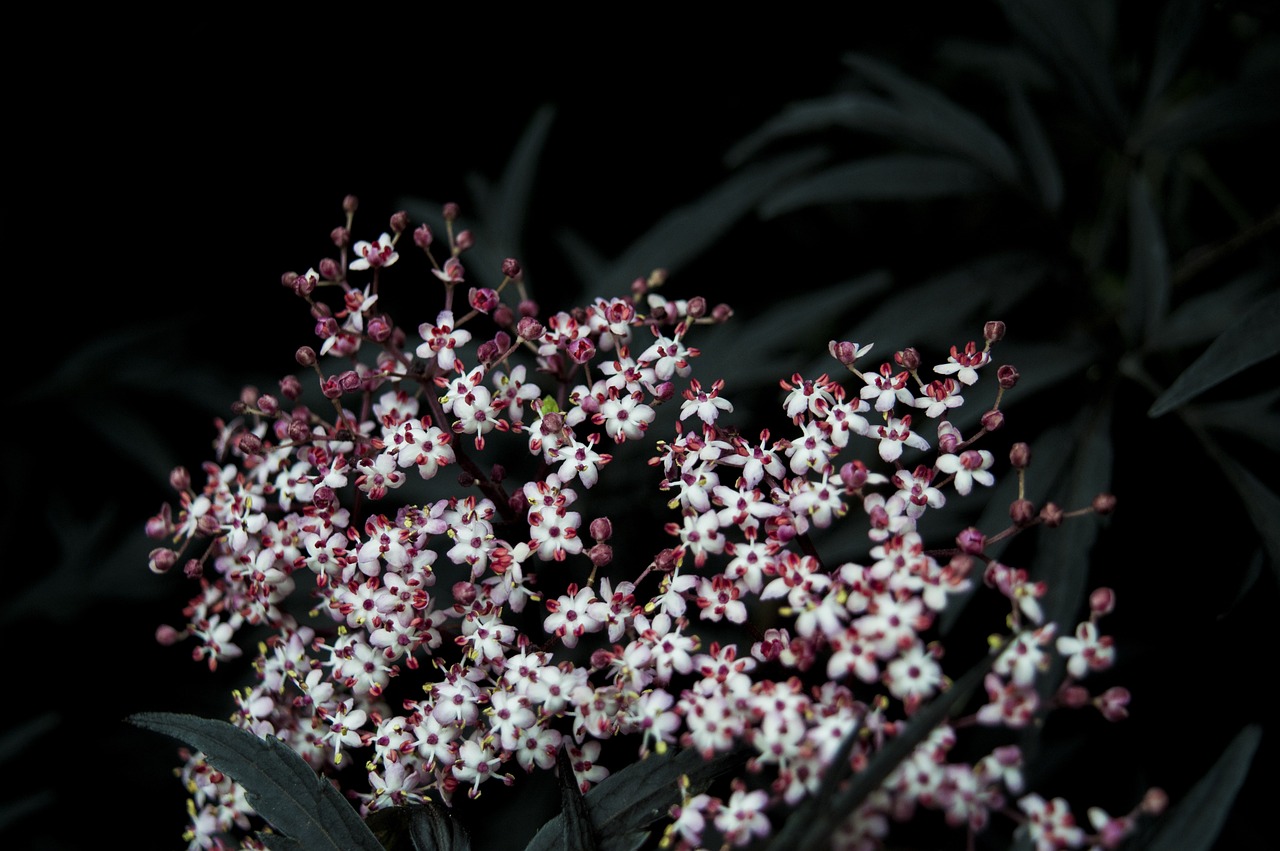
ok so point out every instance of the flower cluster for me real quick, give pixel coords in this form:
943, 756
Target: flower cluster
417, 638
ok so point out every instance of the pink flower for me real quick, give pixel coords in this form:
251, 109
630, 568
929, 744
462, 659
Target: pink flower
441, 339
374, 255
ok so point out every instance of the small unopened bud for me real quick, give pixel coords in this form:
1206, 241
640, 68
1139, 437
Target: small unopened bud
330, 388
167, 636
291, 387
350, 204
1020, 456
329, 269
1113, 703
1051, 515
993, 331
238, 407
503, 315
518, 503
268, 404
193, 569
1074, 697
664, 391
552, 423
159, 527
971, 541
1102, 601
948, 438
326, 326
179, 479
350, 380
303, 286
600, 555
601, 529
1104, 503
379, 328
667, 560
465, 240
721, 312
581, 350
450, 211
422, 237
208, 526
482, 299
854, 474
298, 431
960, 565
487, 352
601, 658
464, 593
530, 329
399, 221
162, 560
993, 420
1022, 512
528, 307
1007, 376
843, 351
511, 268
466, 480
288, 279
697, 307
249, 444
340, 236
497, 473
908, 359
324, 497
1154, 802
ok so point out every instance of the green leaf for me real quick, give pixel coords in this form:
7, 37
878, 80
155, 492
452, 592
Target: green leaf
632, 799
1148, 263
1058, 34
690, 230
892, 177
944, 123
814, 821
418, 827
1038, 153
1194, 824
1250, 340
851, 110
280, 786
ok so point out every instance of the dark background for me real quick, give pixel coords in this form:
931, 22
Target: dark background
163, 188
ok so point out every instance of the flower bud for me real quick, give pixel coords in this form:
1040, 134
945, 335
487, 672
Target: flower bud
664, 391
159, 526
324, 497
487, 352
854, 475
450, 211
465, 240
208, 526
399, 221
511, 268
350, 204
193, 569
466, 480
326, 327
503, 315
349, 380
464, 593
993, 420
1102, 602
1074, 697
1104, 503
298, 431
582, 350
268, 404
601, 658
1020, 456
250, 444
1154, 802
971, 541
993, 332
320, 310
1113, 703
530, 329
527, 307
288, 279
960, 565
1051, 515
600, 555
601, 529
497, 473
340, 236
482, 299
330, 388
379, 328
667, 560
291, 387
422, 237
1022, 512
721, 312
1007, 376
908, 359
161, 560
552, 423
167, 636
179, 479
697, 307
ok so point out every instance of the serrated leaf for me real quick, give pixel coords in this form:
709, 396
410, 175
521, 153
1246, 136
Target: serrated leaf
948, 126
811, 825
1148, 263
1058, 34
688, 231
418, 827
892, 177
279, 784
1042, 165
630, 800
1250, 340
1196, 821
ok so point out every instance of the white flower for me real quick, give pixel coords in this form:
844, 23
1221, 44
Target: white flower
374, 255
441, 339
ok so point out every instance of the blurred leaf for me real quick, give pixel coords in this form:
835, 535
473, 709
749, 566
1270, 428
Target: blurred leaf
811, 825
690, 230
1197, 320
892, 177
1195, 822
1058, 33
1254, 417
1232, 110
1148, 263
1250, 340
851, 110
940, 119
632, 799
279, 784
418, 827
1042, 164
1260, 502
1179, 22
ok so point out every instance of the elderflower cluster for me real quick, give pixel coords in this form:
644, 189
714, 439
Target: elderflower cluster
424, 621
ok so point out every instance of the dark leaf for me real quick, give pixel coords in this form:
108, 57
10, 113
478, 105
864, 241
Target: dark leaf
1036, 150
579, 834
1148, 263
1199, 319
1250, 340
1058, 34
851, 110
1260, 502
630, 800
418, 827
892, 177
280, 786
1243, 107
1196, 821
950, 127
1179, 22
